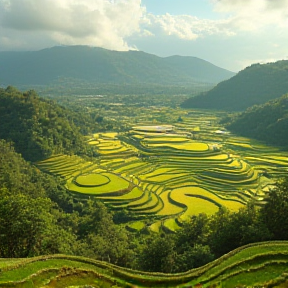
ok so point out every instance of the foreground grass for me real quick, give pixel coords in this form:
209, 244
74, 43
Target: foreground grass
254, 264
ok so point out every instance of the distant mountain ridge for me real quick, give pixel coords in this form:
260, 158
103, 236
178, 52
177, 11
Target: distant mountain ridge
254, 85
98, 65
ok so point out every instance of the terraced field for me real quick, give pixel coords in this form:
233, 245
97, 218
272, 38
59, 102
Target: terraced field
171, 170
251, 265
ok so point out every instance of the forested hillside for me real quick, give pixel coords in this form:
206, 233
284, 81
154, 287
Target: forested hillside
40, 128
38, 216
254, 85
267, 122
101, 66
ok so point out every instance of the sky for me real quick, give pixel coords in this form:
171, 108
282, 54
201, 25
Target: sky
232, 34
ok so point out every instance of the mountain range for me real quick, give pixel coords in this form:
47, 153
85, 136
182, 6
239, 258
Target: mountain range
101, 66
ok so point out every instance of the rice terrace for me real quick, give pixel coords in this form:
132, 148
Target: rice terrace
252, 264
165, 168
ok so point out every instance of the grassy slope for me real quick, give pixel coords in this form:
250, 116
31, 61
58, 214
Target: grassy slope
253, 264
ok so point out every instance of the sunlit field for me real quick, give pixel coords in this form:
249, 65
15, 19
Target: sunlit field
163, 173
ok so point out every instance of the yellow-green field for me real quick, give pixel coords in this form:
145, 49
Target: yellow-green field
191, 146
171, 170
92, 179
114, 184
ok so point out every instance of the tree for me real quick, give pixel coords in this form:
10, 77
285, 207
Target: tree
194, 231
229, 230
23, 222
275, 211
101, 238
191, 244
192, 257
157, 254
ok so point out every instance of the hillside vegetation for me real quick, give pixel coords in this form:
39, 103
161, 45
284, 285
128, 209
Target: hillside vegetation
267, 263
39, 127
267, 122
101, 66
254, 85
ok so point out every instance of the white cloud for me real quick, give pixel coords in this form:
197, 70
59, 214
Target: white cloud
237, 15
252, 15
108, 23
147, 33
185, 27
92, 22
180, 26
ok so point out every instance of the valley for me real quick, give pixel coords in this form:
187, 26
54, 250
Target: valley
131, 170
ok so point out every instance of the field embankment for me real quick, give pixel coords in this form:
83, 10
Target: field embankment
254, 264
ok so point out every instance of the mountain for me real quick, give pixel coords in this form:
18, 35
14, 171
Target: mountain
254, 85
39, 127
101, 66
199, 69
267, 122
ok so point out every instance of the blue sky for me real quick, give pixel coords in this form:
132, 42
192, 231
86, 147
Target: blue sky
201, 8
232, 34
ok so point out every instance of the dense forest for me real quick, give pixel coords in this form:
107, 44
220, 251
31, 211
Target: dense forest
267, 122
254, 85
40, 127
39, 217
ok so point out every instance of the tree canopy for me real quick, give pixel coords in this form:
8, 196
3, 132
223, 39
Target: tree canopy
267, 122
39, 127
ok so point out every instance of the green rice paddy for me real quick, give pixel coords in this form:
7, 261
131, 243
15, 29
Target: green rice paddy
192, 146
114, 184
253, 265
172, 169
92, 179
